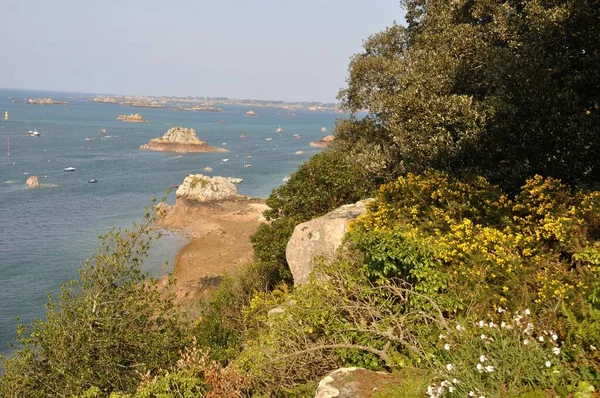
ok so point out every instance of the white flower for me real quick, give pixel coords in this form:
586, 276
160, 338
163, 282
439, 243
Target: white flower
455, 381
459, 328
492, 324
430, 391
528, 329
548, 364
471, 393
554, 337
483, 337
445, 383
502, 324
449, 367
556, 350
479, 367
441, 336
541, 338
489, 368
451, 389
526, 341
593, 348
509, 327
501, 310
482, 358
527, 312
447, 347
481, 324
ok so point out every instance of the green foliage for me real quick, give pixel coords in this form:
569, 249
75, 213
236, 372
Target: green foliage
103, 330
327, 181
503, 89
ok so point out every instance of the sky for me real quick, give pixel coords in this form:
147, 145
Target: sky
291, 50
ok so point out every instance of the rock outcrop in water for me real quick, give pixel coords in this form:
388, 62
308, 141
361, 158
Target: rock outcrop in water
201, 188
133, 118
33, 182
323, 142
181, 140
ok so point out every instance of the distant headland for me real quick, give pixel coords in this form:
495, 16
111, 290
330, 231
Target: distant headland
182, 140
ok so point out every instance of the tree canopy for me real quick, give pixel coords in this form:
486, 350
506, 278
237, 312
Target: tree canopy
504, 89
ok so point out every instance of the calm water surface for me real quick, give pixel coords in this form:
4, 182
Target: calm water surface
46, 233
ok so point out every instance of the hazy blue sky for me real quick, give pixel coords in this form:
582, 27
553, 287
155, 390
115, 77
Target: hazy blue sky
269, 49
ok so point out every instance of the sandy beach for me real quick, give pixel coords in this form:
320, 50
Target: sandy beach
219, 242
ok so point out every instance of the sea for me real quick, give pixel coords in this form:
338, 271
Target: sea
47, 233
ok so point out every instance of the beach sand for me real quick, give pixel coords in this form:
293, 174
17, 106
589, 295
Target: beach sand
219, 242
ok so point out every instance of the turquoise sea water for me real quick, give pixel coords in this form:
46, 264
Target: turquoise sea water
46, 233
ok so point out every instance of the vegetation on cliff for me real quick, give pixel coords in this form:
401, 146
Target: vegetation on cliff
478, 262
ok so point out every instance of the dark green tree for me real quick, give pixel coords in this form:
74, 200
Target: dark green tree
504, 89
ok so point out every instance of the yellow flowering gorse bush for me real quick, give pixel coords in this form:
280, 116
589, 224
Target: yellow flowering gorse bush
541, 246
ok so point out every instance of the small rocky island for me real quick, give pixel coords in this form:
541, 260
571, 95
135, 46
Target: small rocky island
181, 140
33, 182
133, 118
323, 142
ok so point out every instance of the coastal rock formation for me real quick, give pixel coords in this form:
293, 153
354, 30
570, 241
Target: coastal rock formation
321, 236
208, 168
323, 142
45, 101
182, 140
33, 182
201, 188
133, 118
353, 383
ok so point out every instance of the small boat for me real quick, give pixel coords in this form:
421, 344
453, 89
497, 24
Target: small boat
323, 129
298, 137
248, 165
225, 160
243, 136
69, 169
221, 122
268, 139
223, 143
101, 131
33, 133
93, 181
280, 129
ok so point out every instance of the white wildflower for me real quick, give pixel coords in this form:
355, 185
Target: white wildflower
502, 324
489, 368
541, 339
445, 383
441, 337
483, 337
481, 324
527, 312
460, 328
482, 358
526, 341
479, 367
451, 389
471, 393
455, 381
449, 367
492, 324
554, 337
556, 350
548, 364
447, 347
501, 310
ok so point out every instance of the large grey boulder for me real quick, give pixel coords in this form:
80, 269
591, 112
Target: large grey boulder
320, 237
201, 188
